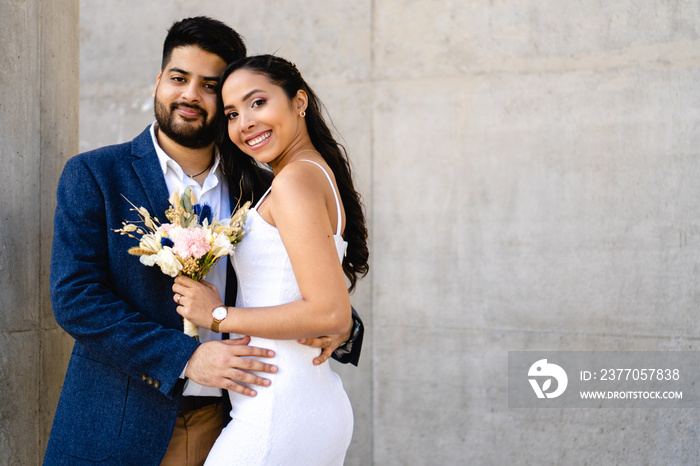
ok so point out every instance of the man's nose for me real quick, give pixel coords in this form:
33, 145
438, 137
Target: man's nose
192, 92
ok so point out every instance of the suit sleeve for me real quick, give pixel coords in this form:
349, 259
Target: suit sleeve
88, 289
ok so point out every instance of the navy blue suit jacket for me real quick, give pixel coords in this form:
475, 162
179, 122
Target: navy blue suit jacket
122, 389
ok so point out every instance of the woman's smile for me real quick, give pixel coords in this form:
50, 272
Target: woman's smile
258, 140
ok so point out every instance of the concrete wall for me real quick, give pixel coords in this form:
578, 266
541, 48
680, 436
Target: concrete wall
39, 118
530, 170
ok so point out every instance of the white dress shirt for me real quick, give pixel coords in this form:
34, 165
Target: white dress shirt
214, 192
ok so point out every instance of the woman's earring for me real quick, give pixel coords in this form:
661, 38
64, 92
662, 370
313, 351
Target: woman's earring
302, 113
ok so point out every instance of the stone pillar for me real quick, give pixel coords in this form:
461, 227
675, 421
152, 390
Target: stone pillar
39, 117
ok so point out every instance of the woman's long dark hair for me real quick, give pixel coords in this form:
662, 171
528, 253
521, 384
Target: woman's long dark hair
253, 180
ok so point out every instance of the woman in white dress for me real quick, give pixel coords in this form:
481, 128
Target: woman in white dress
306, 235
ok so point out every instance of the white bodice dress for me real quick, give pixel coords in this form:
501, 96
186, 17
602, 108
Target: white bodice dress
304, 417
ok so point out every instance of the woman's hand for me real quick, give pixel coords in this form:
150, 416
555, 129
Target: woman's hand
328, 344
196, 300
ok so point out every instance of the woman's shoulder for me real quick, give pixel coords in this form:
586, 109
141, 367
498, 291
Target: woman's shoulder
302, 177
299, 189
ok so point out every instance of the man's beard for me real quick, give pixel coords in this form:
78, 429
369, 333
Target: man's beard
187, 134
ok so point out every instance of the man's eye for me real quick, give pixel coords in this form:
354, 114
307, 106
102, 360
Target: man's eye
211, 87
178, 79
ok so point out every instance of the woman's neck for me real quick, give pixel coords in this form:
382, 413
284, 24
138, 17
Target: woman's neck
291, 154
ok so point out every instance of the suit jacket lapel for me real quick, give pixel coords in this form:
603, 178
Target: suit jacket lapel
149, 172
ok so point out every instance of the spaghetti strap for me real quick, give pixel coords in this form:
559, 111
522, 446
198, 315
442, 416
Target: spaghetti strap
257, 204
335, 195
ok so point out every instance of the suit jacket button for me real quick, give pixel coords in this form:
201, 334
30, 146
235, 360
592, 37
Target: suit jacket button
150, 381
156, 384
144, 377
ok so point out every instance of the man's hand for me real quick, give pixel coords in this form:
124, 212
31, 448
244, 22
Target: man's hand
329, 343
224, 364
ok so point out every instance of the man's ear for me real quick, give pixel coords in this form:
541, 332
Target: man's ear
160, 75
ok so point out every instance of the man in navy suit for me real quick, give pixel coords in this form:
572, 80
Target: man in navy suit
122, 401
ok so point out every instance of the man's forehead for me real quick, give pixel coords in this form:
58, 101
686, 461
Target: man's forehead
193, 60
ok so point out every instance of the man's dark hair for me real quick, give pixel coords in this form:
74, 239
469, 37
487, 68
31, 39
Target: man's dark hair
206, 33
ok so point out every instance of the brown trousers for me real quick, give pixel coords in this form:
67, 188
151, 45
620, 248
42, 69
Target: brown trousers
194, 435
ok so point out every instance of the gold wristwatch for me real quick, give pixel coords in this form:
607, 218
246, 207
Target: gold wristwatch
219, 313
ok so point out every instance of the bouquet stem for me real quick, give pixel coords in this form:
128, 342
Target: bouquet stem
191, 330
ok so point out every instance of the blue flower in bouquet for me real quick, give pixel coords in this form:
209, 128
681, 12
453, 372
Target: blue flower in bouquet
203, 211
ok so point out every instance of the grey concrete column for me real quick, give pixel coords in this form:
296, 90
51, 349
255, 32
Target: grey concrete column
39, 117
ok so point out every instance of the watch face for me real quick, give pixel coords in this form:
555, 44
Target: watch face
219, 313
